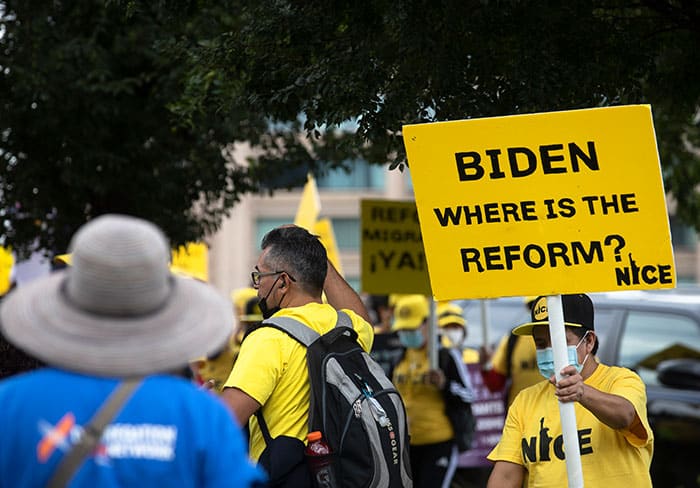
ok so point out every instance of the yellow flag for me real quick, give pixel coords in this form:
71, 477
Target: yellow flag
324, 229
191, 260
309, 206
7, 262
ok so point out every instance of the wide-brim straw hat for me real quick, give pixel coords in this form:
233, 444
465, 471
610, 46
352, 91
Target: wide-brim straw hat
117, 311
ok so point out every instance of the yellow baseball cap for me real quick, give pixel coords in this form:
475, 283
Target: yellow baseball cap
578, 312
240, 298
410, 312
450, 313
251, 311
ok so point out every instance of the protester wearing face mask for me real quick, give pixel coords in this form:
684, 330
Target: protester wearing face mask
453, 329
615, 440
437, 400
270, 379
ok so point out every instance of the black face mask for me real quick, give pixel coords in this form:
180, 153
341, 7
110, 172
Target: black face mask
264, 309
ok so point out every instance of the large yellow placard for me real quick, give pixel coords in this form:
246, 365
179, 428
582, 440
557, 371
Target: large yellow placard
548, 203
393, 259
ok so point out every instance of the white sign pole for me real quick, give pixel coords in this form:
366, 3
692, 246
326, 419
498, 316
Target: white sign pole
432, 336
557, 333
485, 323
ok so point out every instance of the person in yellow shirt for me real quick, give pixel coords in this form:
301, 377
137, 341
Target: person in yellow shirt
438, 401
513, 365
615, 440
270, 375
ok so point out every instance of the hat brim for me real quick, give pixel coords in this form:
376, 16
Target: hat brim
526, 329
452, 319
251, 318
195, 321
405, 324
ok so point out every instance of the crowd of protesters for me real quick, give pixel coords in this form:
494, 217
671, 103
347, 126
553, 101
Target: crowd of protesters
185, 389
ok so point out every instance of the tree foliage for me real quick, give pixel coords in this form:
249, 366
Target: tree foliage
389, 63
85, 126
127, 105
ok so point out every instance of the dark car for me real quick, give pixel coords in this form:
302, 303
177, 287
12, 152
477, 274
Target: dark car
656, 334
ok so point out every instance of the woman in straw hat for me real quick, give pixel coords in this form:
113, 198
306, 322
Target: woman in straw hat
117, 313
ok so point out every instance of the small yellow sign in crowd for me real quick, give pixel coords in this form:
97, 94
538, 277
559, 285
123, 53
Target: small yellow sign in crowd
393, 260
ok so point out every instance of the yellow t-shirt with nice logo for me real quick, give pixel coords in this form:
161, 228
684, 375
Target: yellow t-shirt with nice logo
425, 406
532, 436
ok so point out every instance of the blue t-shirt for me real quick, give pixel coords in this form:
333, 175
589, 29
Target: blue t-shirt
169, 433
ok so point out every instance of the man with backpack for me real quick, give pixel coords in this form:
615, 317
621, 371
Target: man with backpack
270, 387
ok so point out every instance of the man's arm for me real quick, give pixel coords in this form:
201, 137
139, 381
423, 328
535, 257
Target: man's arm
341, 295
240, 403
506, 475
613, 410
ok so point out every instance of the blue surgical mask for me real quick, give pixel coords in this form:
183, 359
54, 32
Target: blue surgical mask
545, 359
411, 339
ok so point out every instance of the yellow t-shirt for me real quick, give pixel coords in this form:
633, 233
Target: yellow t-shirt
470, 356
524, 370
425, 406
271, 368
532, 436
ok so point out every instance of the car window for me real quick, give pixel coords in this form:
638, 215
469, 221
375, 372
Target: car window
604, 319
646, 333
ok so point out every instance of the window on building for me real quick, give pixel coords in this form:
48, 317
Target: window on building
361, 175
263, 226
346, 230
347, 233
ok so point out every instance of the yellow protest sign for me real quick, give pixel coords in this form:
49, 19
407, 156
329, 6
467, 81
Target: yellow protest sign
393, 260
548, 203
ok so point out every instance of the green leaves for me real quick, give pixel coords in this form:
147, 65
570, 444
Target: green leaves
131, 105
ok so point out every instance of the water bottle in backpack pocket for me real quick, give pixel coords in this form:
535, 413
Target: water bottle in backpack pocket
319, 457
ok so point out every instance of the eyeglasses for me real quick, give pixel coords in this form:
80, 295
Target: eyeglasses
256, 275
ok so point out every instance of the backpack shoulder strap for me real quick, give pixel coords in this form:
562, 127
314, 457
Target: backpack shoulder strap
295, 329
301, 332
344, 320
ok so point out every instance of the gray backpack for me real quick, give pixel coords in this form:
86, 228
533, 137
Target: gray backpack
354, 405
